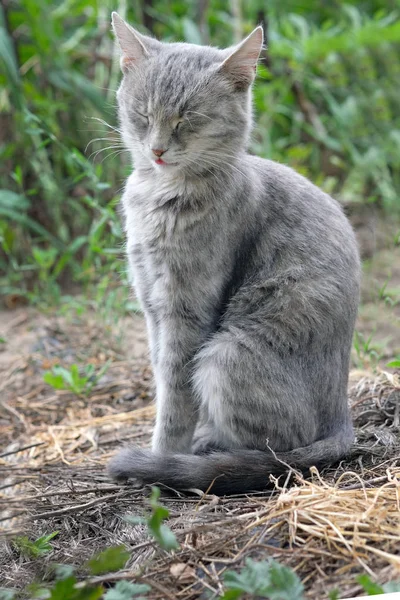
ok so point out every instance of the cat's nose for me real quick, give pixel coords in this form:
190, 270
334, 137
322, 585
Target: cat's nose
158, 152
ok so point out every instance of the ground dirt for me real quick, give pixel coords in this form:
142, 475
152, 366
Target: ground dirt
54, 446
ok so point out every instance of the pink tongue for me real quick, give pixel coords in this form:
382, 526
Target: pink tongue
160, 161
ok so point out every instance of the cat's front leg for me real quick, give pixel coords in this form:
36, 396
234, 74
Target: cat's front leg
177, 411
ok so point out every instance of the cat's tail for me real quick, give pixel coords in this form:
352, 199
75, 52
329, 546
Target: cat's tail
229, 472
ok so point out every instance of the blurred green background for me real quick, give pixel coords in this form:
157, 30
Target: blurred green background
326, 102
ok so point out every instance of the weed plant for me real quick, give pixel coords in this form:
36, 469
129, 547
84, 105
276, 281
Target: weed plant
326, 102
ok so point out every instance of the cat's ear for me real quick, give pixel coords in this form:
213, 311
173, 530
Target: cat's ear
241, 64
134, 46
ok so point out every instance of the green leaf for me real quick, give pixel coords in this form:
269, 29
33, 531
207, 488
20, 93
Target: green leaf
62, 378
38, 591
63, 571
78, 83
68, 254
89, 370
44, 540
110, 560
394, 364
125, 590
231, 595
391, 587
9, 199
36, 548
164, 536
88, 593
7, 594
8, 58
65, 374
45, 258
65, 590
372, 588
78, 383
29, 223
191, 32
267, 579
333, 594
56, 381
162, 533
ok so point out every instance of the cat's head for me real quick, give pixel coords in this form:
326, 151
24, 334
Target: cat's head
184, 109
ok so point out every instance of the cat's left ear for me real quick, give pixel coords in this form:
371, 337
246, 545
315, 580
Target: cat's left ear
134, 46
241, 64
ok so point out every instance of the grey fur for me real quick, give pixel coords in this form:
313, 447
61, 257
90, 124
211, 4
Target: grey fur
247, 273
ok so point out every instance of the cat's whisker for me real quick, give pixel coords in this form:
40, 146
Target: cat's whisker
97, 152
115, 153
103, 122
99, 87
193, 162
105, 139
202, 162
224, 157
223, 167
191, 126
218, 168
103, 131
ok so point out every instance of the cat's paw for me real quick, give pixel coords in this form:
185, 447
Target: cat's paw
205, 445
130, 463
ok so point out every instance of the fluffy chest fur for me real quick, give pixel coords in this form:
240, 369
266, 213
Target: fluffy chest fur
176, 245
160, 212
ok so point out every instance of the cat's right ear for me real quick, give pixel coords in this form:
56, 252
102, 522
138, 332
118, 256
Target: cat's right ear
135, 47
241, 64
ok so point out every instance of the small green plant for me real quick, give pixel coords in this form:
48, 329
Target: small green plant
389, 296
46, 291
374, 589
155, 522
7, 593
264, 579
61, 378
382, 295
36, 548
70, 589
269, 579
67, 586
109, 560
366, 351
394, 364
125, 590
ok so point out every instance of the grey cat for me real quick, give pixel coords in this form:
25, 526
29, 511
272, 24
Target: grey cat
247, 273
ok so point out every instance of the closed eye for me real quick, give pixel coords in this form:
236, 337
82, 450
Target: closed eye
145, 117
